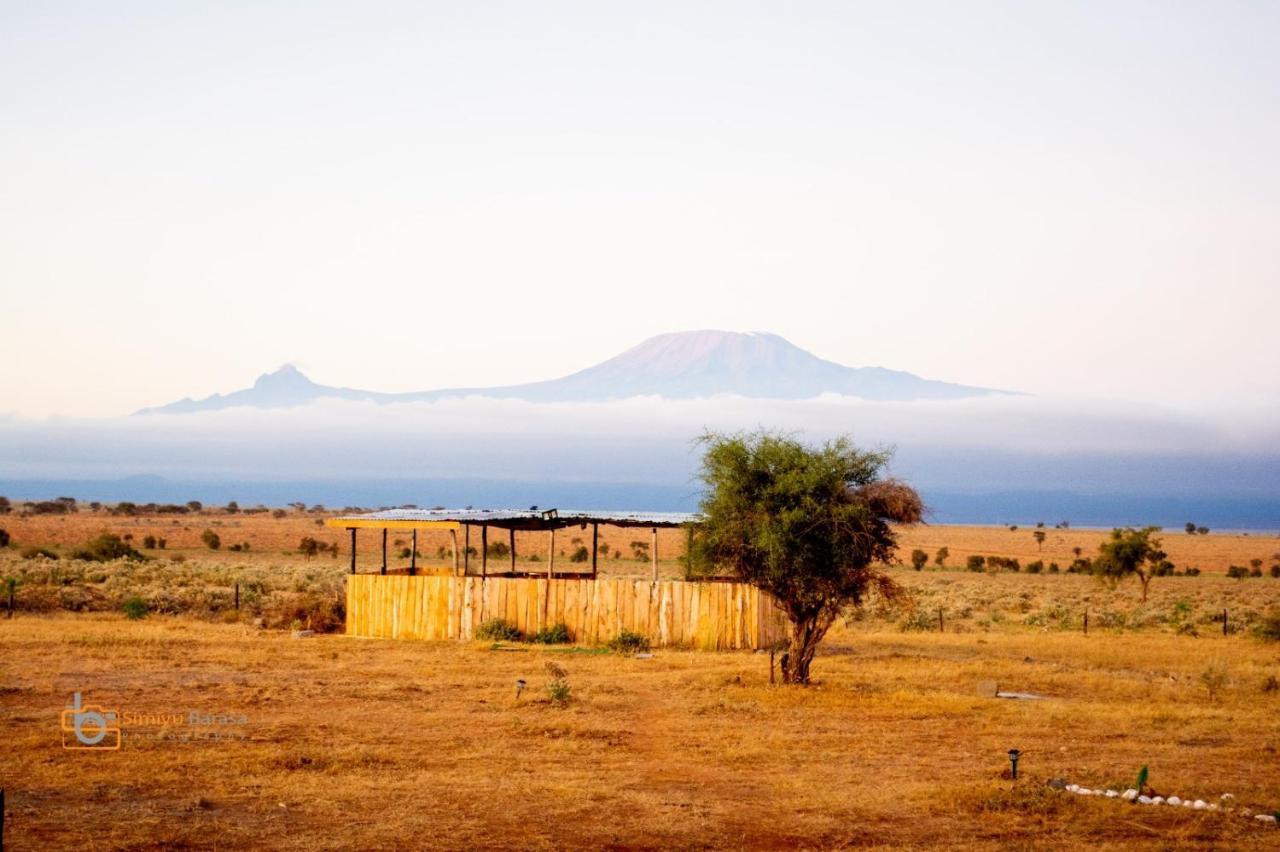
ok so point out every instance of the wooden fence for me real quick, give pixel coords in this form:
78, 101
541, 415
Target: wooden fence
710, 616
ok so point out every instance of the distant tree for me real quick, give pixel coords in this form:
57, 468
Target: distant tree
640, 550
1013, 527
1039, 525
149, 542
1202, 530
940, 558
1077, 551
211, 539
919, 559
105, 548
1039, 537
309, 547
194, 506
95, 506
1190, 528
804, 523
232, 508
279, 513
5, 506
975, 562
1130, 552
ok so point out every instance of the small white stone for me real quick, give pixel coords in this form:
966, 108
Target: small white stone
1111, 794
1186, 803
1084, 791
1199, 804
1225, 796
1157, 800
1265, 818
1213, 806
1144, 800
1129, 795
1073, 788
1173, 800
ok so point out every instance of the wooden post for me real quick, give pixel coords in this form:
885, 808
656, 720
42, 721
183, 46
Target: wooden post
466, 550
653, 554
1086, 622
384, 550
941, 626
237, 597
11, 602
688, 554
512, 531
1224, 622
551, 554
413, 553
484, 550
353, 549
453, 544
595, 539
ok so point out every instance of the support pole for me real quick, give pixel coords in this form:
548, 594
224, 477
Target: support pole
413, 553
512, 531
384, 550
353, 549
453, 539
653, 554
551, 554
466, 549
484, 550
688, 553
595, 540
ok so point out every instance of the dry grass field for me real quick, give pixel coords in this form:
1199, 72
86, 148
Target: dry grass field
349, 743
337, 742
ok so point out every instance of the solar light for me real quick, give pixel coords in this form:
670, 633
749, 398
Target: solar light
520, 685
1014, 754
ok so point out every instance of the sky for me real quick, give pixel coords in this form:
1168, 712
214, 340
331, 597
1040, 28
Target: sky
1074, 199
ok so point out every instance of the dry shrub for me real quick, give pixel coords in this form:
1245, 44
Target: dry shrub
893, 500
316, 612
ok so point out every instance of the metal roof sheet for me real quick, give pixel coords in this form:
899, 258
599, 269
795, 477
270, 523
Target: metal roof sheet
520, 517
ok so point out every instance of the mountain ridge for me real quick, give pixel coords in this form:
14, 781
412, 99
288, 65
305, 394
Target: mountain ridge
675, 365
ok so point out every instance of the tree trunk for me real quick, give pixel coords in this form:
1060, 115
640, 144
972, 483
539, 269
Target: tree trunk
805, 636
1146, 580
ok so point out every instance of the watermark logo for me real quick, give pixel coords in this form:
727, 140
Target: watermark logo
88, 727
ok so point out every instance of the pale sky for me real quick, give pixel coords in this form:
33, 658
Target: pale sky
1065, 198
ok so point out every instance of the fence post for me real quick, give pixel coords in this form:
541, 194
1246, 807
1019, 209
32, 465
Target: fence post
12, 586
941, 628
237, 597
1086, 622
1224, 622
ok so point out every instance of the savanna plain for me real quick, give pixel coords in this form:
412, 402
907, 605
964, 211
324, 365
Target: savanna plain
330, 741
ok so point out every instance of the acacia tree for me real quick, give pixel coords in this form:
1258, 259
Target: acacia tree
805, 524
1130, 552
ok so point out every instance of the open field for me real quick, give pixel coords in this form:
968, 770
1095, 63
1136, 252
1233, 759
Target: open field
270, 537
375, 744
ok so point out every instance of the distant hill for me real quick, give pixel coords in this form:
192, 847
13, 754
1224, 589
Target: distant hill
680, 365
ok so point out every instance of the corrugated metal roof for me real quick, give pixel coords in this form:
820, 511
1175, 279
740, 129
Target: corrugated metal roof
525, 518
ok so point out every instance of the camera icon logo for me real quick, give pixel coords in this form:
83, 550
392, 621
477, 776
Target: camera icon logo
88, 727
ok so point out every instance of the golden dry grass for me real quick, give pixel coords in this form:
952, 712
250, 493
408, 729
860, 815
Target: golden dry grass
377, 744
269, 538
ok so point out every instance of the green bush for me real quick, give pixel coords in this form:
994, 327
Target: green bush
498, 630
555, 635
135, 608
105, 548
1268, 629
919, 559
1237, 572
33, 552
580, 554
149, 543
210, 539
628, 642
975, 562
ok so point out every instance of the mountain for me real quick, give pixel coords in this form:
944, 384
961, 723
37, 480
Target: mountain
680, 365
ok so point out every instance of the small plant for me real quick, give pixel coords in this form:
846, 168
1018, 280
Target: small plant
135, 608
38, 553
580, 554
210, 539
558, 689
919, 559
4, 538
1271, 684
498, 630
149, 542
976, 563
105, 548
1237, 572
1215, 680
940, 558
628, 642
555, 635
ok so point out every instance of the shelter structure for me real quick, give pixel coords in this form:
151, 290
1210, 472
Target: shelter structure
709, 614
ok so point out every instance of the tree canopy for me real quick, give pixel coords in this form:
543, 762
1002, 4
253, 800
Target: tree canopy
804, 523
1130, 552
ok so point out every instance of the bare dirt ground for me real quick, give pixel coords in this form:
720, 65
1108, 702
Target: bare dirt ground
372, 744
